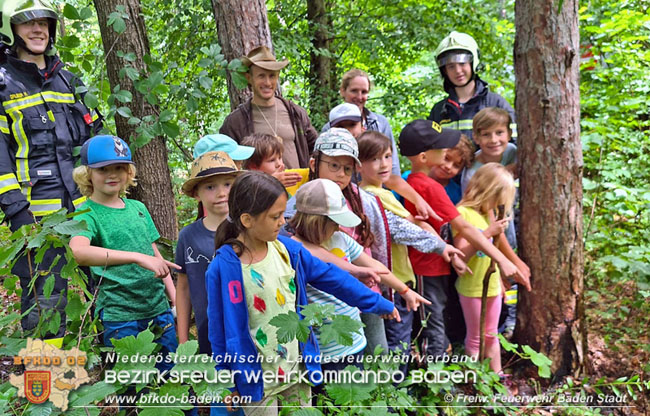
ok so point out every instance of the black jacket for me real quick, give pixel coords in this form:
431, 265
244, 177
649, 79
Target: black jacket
43, 124
449, 113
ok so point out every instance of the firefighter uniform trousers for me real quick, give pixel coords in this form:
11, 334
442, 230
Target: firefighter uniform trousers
43, 124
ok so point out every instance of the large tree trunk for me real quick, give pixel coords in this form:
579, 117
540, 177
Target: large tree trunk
154, 180
321, 67
550, 166
242, 25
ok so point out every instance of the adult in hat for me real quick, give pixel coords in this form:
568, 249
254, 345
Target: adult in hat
266, 112
43, 123
458, 60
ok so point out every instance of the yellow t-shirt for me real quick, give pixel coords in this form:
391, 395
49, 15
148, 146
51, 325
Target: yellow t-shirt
400, 256
270, 289
472, 285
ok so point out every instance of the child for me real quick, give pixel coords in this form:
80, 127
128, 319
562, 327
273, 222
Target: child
210, 180
375, 155
257, 275
124, 259
335, 158
267, 158
456, 159
492, 133
457, 57
347, 116
491, 186
223, 143
424, 143
320, 210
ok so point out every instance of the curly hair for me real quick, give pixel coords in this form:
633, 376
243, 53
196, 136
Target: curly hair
81, 176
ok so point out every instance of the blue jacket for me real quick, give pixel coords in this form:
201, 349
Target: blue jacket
228, 328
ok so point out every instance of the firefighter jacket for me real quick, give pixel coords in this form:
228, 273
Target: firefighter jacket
449, 113
43, 124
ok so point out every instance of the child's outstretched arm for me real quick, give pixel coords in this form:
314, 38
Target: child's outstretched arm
167, 280
398, 184
87, 255
329, 278
412, 298
183, 308
480, 242
510, 254
369, 276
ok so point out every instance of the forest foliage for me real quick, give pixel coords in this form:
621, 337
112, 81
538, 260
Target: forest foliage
393, 41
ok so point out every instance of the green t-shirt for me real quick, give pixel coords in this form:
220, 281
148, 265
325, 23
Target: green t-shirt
127, 292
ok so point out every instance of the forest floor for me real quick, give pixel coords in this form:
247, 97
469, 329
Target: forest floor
618, 346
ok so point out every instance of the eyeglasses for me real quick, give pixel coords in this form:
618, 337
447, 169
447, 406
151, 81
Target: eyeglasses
336, 166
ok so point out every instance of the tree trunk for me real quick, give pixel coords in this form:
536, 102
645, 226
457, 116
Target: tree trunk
550, 167
242, 25
154, 187
321, 67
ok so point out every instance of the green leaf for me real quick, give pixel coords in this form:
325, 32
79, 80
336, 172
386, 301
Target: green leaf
115, 19
290, 327
91, 100
239, 80
9, 253
75, 307
315, 313
171, 129
142, 346
166, 115
542, 362
55, 322
206, 82
70, 12
85, 13
124, 112
11, 346
124, 96
340, 330
307, 411
71, 227
350, 393
48, 286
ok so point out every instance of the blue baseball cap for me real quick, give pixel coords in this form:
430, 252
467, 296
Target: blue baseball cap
222, 143
104, 150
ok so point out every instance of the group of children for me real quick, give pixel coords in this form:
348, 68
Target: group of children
330, 234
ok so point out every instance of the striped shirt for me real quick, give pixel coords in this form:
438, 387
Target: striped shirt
345, 247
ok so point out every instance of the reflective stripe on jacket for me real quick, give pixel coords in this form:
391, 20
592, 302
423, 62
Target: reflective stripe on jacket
43, 124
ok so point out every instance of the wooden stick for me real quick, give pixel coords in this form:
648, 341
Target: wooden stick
486, 281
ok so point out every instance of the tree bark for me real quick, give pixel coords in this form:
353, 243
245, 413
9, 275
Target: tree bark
550, 167
242, 25
321, 67
154, 187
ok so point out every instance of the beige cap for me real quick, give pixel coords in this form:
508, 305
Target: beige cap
324, 197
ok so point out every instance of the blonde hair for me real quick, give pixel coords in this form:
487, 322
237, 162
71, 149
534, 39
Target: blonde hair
310, 227
81, 176
492, 185
489, 117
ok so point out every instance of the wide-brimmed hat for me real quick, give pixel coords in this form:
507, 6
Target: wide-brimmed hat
338, 142
206, 165
264, 58
324, 197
